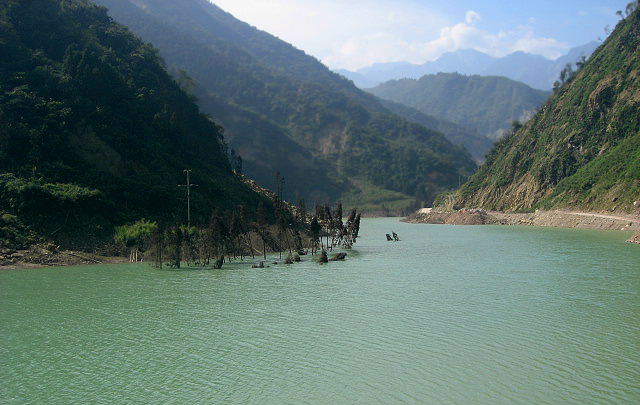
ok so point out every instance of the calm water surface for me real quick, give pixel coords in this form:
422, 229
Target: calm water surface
449, 315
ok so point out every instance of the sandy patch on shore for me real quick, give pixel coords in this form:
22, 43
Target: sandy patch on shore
560, 219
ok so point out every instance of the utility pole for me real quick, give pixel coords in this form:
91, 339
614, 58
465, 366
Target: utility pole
188, 186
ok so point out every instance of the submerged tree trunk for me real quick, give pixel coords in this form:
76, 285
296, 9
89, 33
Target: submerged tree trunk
323, 257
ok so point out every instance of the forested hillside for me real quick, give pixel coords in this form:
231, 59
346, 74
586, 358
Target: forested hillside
487, 104
477, 145
582, 150
272, 99
94, 132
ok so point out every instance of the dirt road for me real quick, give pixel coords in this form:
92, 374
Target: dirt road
561, 219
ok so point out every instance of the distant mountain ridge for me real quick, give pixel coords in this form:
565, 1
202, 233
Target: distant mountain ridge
533, 70
487, 104
582, 150
285, 111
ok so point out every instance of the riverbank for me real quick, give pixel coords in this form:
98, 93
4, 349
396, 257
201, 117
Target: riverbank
559, 219
48, 255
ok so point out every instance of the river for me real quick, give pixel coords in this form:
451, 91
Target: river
448, 315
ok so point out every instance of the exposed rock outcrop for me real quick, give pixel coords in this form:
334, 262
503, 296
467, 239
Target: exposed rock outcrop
461, 217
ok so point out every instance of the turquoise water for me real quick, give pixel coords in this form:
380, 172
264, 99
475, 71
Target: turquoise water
449, 315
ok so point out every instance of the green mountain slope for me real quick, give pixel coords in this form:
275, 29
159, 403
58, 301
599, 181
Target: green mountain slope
477, 145
582, 149
348, 133
487, 104
94, 132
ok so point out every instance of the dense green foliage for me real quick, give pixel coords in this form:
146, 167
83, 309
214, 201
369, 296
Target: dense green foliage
136, 233
583, 149
93, 131
487, 104
55, 209
284, 111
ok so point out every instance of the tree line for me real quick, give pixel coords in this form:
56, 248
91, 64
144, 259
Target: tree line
276, 226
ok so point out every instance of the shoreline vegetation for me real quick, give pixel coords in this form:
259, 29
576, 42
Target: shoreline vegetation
554, 218
278, 229
49, 255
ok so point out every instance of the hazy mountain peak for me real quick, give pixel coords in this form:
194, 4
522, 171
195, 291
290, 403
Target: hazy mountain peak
532, 69
577, 52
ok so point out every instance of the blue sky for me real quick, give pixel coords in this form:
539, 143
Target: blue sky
353, 34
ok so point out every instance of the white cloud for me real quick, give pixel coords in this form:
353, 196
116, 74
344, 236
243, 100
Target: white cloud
360, 33
472, 17
365, 50
549, 47
466, 36
349, 34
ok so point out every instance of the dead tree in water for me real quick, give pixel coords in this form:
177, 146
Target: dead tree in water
352, 229
323, 257
261, 226
238, 232
315, 234
174, 245
337, 227
218, 237
157, 244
